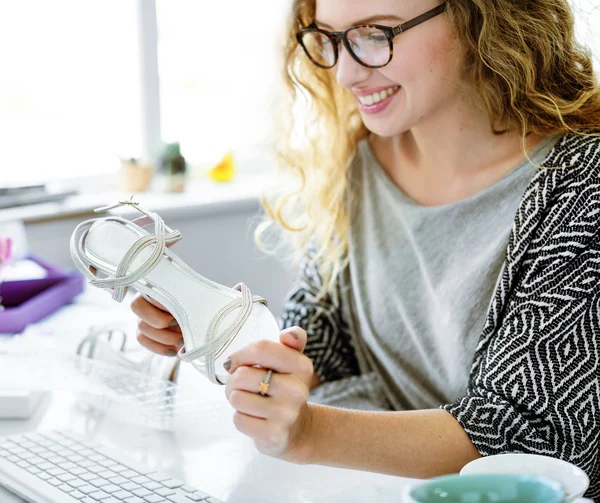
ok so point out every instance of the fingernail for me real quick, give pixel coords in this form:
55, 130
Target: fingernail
180, 343
173, 323
170, 353
227, 364
295, 335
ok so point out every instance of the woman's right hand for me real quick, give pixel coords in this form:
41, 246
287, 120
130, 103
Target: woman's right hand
157, 330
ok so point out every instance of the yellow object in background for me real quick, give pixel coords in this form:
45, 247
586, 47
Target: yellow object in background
224, 171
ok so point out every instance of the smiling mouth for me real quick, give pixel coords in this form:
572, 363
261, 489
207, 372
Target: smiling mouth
373, 99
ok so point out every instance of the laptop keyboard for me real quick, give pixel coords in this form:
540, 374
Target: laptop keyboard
65, 467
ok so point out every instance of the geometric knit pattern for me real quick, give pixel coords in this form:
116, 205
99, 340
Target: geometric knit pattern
329, 345
535, 382
534, 385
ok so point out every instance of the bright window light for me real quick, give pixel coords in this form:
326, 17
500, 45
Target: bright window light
218, 64
69, 94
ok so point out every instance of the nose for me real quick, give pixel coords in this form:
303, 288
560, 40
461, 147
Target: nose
348, 71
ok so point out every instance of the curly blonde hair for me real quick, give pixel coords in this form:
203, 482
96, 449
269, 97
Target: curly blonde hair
523, 64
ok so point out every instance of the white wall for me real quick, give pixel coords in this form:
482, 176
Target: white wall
217, 244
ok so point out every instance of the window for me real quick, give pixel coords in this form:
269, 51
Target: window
218, 66
69, 92
587, 16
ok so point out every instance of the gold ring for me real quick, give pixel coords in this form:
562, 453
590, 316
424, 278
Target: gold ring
265, 383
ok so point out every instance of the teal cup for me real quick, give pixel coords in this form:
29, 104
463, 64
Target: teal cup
486, 488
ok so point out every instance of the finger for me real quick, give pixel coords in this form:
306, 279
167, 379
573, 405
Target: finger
155, 347
151, 314
283, 386
270, 355
251, 404
294, 337
154, 302
161, 336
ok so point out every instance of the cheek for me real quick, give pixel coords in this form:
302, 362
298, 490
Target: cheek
426, 66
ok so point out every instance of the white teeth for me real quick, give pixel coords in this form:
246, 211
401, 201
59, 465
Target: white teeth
377, 97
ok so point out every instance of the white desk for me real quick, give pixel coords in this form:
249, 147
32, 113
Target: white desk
212, 455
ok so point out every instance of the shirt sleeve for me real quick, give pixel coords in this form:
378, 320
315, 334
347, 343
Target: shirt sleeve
535, 383
329, 344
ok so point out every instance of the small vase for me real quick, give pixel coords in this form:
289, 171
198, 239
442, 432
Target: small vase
135, 177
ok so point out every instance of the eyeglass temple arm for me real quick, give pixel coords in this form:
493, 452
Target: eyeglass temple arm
419, 19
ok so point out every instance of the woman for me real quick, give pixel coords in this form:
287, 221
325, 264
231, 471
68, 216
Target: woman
451, 208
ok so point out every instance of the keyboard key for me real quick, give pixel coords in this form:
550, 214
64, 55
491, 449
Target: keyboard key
36, 460
118, 480
141, 492
134, 499
98, 482
96, 469
56, 459
201, 494
153, 486
99, 495
212, 499
111, 488
44, 476
159, 477
77, 495
56, 471
107, 474
88, 489
66, 488
122, 495
164, 492
107, 463
54, 482
172, 483
77, 483
68, 466
179, 498
88, 476
78, 471
129, 474
153, 498
140, 479
188, 489
130, 486
195, 497
23, 464
65, 477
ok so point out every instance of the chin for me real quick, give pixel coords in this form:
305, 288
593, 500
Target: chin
385, 129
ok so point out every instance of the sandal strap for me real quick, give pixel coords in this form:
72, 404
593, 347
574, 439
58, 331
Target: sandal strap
121, 281
216, 343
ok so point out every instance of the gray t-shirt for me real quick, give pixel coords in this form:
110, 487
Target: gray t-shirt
420, 279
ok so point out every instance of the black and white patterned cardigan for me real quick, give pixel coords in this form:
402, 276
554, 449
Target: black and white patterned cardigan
535, 381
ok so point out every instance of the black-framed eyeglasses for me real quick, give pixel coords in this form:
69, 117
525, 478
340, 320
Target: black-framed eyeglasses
370, 45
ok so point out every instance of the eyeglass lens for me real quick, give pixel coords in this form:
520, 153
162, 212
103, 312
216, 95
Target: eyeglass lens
369, 45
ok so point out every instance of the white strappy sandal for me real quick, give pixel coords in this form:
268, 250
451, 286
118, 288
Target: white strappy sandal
116, 254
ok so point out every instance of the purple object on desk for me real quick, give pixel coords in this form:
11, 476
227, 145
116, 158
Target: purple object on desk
28, 301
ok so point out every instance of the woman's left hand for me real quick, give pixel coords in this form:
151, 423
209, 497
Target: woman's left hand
279, 422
